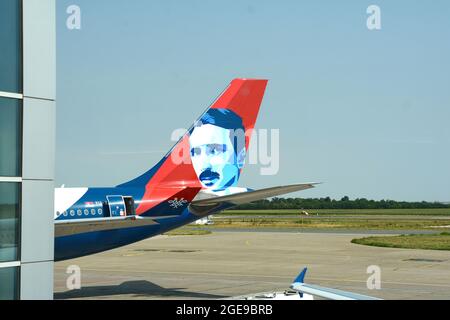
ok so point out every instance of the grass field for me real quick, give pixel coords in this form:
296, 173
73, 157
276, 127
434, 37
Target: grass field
337, 223
187, 231
436, 220
362, 219
429, 242
420, 212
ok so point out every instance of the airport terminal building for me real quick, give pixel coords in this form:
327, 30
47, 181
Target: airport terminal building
27, 142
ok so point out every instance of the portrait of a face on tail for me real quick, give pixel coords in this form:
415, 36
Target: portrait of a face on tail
217, 148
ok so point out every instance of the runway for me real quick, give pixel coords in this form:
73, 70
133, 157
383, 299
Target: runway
365, 232
224, 264
337, 216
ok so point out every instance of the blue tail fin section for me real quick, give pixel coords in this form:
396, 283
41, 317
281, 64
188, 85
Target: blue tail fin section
301, 277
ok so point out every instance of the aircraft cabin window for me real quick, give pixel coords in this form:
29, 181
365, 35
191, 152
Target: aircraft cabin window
79, 213
100, 211
72, 212
92, 211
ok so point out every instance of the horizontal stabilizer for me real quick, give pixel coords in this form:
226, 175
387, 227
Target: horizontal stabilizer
207, 206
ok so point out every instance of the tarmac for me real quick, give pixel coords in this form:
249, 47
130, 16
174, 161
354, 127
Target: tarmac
227, 264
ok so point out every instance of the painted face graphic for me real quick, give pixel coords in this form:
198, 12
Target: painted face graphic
213, 157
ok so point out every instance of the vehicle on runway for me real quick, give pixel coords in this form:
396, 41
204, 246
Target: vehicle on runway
198, 177
205, 221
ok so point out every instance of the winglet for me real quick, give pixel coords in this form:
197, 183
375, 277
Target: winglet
301, 277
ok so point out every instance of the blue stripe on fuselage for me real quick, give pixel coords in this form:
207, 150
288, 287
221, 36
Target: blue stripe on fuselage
78, 245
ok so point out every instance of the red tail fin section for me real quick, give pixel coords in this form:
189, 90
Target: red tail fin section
208, 156
244, 97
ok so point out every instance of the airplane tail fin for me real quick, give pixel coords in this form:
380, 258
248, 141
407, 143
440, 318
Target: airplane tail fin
211, 154
301, 277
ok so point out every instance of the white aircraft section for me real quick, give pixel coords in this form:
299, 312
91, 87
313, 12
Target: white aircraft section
329, 293
286, 295
303, 291
66, 197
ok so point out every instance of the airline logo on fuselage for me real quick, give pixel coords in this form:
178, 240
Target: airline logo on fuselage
175, 203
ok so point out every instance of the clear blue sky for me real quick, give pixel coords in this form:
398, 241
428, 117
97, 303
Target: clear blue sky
365, 112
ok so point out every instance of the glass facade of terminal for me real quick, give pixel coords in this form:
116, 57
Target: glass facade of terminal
10, 137
9, 278
10, 146
9, 221
11, 46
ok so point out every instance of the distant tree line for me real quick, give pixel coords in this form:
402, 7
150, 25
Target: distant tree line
344, 203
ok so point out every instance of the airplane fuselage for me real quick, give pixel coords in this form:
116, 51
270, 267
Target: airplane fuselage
107, 204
